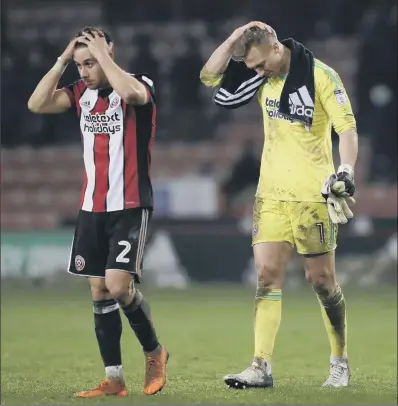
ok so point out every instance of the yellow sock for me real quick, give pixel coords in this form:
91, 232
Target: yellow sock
335, 321
267, 318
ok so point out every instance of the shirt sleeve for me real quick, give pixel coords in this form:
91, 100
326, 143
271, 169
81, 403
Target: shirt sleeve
335, 101
236, 87
149, 85
69, 90
210, 79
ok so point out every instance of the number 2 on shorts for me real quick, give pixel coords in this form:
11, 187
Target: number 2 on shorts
122, 256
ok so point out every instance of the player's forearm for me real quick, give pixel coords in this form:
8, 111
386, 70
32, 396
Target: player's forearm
126, 86
220, 58
44, 92
348, 147
211, 73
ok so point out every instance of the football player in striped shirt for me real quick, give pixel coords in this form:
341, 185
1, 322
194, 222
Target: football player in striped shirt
294, 205
117, 114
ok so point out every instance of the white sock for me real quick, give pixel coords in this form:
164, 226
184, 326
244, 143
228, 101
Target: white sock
264, 365
338, 360
114, 372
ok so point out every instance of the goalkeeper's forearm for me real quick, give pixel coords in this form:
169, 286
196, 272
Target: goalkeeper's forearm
211, 73
220, 58
348, 147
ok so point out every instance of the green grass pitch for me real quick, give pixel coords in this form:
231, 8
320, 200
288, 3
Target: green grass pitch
49, 351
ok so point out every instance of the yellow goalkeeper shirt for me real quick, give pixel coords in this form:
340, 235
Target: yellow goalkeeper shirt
295, 162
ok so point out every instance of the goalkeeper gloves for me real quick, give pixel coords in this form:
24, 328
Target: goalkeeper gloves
345, 174
338, 191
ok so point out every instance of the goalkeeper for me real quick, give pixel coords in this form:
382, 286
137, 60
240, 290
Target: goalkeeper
300, 199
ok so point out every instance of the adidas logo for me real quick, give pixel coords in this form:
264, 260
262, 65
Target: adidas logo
86, 103
301, 104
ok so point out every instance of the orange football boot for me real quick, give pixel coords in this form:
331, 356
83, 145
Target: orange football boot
108, 387
155, 375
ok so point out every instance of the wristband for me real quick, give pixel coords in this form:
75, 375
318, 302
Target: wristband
59, 66
346, 168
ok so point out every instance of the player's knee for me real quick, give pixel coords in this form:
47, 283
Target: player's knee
322, 280
122, 292
268, 275
99, 291
119, 293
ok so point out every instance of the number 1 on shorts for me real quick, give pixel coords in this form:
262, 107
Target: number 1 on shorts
321, 232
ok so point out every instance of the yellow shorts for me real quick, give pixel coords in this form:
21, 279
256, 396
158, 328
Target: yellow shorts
305, 225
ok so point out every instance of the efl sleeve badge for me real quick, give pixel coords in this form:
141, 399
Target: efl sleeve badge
340, 96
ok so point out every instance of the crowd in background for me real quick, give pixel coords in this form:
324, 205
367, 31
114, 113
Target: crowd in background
170, 40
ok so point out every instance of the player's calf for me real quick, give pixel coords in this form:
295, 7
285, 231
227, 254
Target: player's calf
271, 260
333, 310
136, 309
108, 328
320, 272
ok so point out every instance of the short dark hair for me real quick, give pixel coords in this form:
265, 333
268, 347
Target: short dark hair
255, 36
88, 29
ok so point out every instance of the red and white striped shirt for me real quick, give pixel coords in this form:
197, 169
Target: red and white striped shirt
117, 140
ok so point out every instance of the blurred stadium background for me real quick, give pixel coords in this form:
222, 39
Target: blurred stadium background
205, 160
